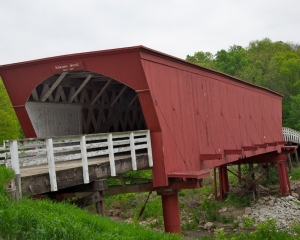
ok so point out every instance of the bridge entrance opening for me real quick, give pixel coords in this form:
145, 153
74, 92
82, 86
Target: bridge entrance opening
83, 102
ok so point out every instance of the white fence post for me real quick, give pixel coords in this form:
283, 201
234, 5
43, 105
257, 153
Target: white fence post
132, 150
85, 167
111, 155
51, 164
13, 145
14, 154
149, 149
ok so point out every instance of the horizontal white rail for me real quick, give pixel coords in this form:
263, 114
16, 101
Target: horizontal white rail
291, 135
38, 151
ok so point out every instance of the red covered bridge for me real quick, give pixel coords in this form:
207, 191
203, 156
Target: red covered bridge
198, 118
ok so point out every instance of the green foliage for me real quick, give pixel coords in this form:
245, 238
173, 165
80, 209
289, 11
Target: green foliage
295, 174
294, 113
205, 59
140, 174
237, 201
6, 175
153, 209
9, 125
43, 219
231, 61
220, 234
226, 219
210, 209
275, 65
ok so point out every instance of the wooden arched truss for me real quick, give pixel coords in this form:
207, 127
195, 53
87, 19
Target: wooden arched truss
107, 105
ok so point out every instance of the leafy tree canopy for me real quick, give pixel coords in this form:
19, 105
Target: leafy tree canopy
9, 124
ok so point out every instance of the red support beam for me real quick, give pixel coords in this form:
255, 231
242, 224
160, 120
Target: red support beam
215, 184
283, 175
263, 145
232, 151
221, 183
204, 157
171, 213
272, 143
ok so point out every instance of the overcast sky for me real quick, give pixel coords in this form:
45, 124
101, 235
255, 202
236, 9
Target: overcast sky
32, 29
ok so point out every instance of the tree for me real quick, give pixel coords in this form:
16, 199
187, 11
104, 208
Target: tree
9, 124
205, 59
232, 61
294, 114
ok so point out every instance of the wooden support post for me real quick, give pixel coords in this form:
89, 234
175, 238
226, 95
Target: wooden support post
239, 174
14, 188
297, 159
100, 205
221, 183
290, 166
215, 184
88, 200
95, 198
283, 176
252, 175
171, 213
268, 174
122, 180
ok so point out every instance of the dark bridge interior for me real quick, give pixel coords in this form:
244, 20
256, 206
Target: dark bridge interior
106, 104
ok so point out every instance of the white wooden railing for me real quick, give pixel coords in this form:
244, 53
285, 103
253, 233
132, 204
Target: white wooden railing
38, 151
291, 135
2, 153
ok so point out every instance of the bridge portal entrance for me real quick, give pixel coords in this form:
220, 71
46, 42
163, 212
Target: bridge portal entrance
83, 102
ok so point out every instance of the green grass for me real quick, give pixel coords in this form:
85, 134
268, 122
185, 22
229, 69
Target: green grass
264, 231
43, 219
5, 175
295, 174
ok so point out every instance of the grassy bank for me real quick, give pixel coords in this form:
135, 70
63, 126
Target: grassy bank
43, 219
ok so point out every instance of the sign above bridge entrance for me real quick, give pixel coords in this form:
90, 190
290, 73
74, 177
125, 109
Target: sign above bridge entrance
67, 67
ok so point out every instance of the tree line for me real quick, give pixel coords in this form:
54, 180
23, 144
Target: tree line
9, 124
274, 65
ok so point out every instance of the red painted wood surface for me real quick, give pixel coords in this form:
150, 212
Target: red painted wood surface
189, 109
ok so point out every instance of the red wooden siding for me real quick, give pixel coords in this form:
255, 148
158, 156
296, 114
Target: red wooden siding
190, 110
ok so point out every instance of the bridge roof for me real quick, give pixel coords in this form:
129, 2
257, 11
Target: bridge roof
70, 57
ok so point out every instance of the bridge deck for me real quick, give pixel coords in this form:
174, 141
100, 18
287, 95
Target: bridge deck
61, 166
52, 164
35, 179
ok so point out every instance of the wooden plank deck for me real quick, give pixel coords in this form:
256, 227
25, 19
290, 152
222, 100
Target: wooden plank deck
35, 179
